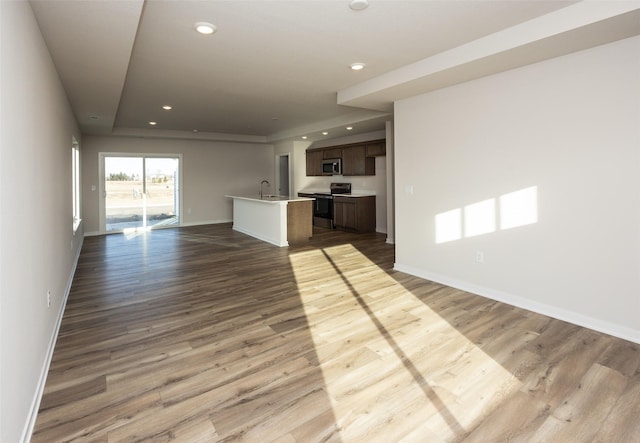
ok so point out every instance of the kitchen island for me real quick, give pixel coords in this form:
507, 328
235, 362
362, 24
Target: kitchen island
278, 220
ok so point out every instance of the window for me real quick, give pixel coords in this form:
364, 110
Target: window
75, 182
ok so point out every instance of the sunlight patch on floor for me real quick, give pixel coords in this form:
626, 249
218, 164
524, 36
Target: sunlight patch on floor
382, 352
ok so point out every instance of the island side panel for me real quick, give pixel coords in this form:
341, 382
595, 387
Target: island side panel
299, 221
262, 220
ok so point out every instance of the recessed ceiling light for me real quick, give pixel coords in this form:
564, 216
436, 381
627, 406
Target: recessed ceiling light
358, 5
349, 128
167, 107
153, 123
325, 133
357, 66
205, 28
195, 130
304, 137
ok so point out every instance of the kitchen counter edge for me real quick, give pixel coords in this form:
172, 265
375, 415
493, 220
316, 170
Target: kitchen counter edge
270, 199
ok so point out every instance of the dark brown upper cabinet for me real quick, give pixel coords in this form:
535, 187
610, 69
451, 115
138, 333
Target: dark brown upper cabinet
357, 158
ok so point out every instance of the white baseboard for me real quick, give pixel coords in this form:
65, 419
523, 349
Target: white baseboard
199, 223
35, 403
208, 222
576, 318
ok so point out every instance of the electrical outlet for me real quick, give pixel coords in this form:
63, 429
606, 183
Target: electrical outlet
48, 299
479, 256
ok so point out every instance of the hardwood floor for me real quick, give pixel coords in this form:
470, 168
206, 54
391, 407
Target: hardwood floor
202, 334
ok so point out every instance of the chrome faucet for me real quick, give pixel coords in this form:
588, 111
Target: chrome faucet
262, 183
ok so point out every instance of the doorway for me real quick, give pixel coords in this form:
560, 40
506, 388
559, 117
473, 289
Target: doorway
283, 181
139, 191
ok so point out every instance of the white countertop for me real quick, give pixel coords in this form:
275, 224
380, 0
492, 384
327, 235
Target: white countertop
269, 198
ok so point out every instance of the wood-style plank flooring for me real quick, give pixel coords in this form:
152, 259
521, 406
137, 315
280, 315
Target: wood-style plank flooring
203, 334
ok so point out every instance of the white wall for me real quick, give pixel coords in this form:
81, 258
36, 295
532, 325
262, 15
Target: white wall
299, 165
568, 126
38, 248
209, 171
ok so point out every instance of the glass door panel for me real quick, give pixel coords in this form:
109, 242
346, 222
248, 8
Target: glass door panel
124, 193
161, 190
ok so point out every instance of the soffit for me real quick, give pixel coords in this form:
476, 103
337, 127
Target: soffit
274, 69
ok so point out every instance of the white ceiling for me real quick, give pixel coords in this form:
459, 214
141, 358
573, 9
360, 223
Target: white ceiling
278, 70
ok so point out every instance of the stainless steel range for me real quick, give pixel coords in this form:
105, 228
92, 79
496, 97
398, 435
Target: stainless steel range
323, 208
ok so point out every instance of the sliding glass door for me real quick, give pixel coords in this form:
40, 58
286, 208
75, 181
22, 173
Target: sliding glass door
139, 192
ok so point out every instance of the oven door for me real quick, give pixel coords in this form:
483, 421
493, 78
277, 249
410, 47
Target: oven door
324, 206
323, 211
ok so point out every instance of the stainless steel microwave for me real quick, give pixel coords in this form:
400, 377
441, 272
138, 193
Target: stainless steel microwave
332, 166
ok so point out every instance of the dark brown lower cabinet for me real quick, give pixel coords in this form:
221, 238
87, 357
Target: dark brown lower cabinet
299, 221
355, 213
